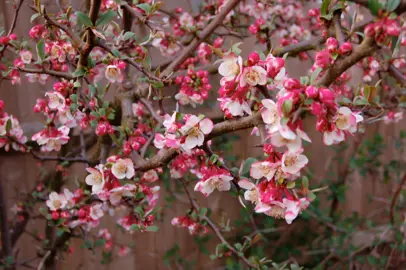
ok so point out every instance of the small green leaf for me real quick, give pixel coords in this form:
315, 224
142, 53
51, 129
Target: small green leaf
152, 228
83, 19
74, 98
106, 18
8, 125
128, 35
311, 196
324, 8
41, 49
79, 72
34, 16
291, 185
391, 5
145, 7
247, 166
305, 182
115, 52
287, 107
374, 6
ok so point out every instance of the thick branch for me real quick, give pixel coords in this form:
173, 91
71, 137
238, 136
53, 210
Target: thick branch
395, 198
54, 73
366, 48
302, 46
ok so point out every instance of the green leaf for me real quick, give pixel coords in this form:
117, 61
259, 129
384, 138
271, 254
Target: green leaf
34, 16
311, 196
41, 49
391, 5
287, 107
305, 182
324, 8
157, 85
236, 48
315, 74
8, 125
115, 52
74, 98
374, 6
106, 18
152, 228
247, 166
145, 7
128, 35
83, 19
79, 72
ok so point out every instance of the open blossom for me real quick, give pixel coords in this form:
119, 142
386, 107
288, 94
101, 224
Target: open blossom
186, 20
293, 145
235, 107
265, 169
292, 208
113, 74
116, 194
194, 129
333, 137
393, 117
221, 182
231, 67
51, 138
253, 76
26, 56
95, 178
56, 201
56, 101
270, 115
150, 176
251, 194
123, 168
347, 120
293, 162
96, 211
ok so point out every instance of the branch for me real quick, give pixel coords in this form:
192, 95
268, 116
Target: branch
208, 30
338, 29
135, 14
54, 73
302, 46
13, 25
366, 48
397, 74
394, 199
164, 156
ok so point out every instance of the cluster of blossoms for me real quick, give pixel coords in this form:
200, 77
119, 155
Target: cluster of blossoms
115, 187
11, 133
185, 137
194, 87
194, 227
383, 29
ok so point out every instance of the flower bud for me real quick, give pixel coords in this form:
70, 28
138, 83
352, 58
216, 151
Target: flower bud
326, 96
312, 91
331, 44
291, 84
253, 28
55, 215
321, 124
323, 59
369, 30
218, 42
345, 48
317, 108
253, 59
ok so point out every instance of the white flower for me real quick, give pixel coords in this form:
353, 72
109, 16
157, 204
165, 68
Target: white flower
113, 74
117, 193
237, 108
333, 137
231, 67
255, 75
66, 118
26, 56
186, 20
56, 201
220, 182
265, 169
347, 120
95, 178
251, 194
293, 208
194, 130
96, 211
56, 101
150, 176
293, 162
123, 168
270, 115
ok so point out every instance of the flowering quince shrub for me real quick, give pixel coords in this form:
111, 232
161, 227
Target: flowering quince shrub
147, 140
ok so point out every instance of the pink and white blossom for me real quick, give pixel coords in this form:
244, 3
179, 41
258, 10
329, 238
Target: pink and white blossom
123, 168
293, 162
95, 179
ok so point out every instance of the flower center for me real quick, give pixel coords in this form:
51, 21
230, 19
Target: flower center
290, 160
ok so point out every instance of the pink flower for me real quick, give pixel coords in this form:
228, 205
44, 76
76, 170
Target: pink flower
52, 138
333, 137
56, 101
345, 48
292, 208
124, 251
235, 107
221, 182
195, 129
270, 115
331, 44
231, 66
116, 194
393, 117
253, 76
347, 120
26, 56
150, 176
265, 169
123, 168
186, 20
293, 162
251, 194
96, 211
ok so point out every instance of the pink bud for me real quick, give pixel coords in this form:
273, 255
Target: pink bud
4, 40
312, 92
316, 108
345, 48
127, 148
65, 215
253, 28
268, 148
1, 104
260, 22
323, 59
201, 74
326, 96
313, 12
101, 128
274, 66
13, 37
82, 213
369, 30
392, 28
253, 59
291, 84
218, 42
55, 215
321, 124
331, 44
